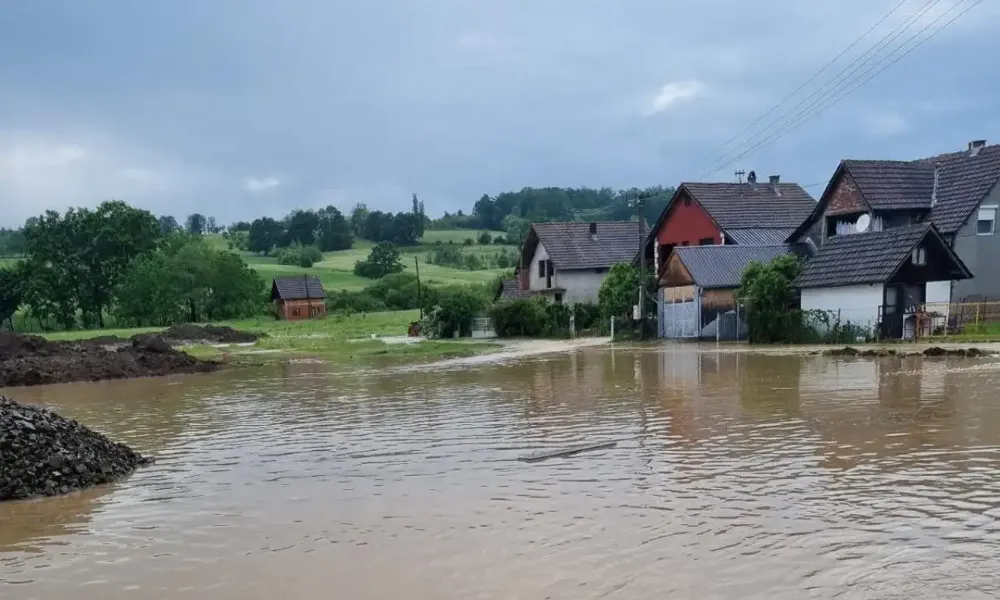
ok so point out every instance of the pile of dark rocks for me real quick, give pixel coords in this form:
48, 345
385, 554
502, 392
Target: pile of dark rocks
884, 352
43, 454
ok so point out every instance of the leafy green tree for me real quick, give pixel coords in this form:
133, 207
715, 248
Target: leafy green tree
196, 224
421, 218
239, 226
335, 232
454, 310
299, 255
770, 300
168, 225
619, 291
300, 226
265, 234
485, 238
239, 240
382, 260
11, 293
11, 242
359, 220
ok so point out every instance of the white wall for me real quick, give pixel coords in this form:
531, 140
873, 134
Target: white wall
858, 304
534, 281
581, 286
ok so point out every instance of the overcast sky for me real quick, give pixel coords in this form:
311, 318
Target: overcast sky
241, 108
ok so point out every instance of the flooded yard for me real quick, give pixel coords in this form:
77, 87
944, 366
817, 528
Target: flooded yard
736, 475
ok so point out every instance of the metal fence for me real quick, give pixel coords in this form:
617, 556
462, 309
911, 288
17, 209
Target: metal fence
972, 319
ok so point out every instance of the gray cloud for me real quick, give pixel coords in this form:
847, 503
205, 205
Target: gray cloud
239, 108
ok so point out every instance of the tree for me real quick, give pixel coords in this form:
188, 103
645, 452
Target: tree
11, 294
454, 311
418, 213
76, 260
359, 219
485, 238
619, 291
11, 242
300, 226
770, 300
210, 225
239, 226
168, 225
265, 233
382, 260
335, 232
196, 224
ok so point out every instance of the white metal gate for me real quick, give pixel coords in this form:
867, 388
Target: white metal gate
680, 319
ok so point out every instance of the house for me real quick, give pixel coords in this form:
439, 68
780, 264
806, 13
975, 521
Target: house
698, 288
298, 297
746, 214
568, 261
879, 279
957, 192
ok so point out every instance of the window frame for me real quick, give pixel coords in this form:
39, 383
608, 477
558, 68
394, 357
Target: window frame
993, 222
541, 268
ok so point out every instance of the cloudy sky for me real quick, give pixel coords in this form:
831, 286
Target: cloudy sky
240, 108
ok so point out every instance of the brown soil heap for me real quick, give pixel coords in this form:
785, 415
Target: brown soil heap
213, 334
43, 454
32, 360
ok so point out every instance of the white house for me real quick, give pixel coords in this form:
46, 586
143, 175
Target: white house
569, 261
879, 280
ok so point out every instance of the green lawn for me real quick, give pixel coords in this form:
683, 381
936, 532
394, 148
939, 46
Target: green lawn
337, 338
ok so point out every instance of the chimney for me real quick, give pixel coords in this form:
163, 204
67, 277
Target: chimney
975, 146
934, 190
774, 180
593, 230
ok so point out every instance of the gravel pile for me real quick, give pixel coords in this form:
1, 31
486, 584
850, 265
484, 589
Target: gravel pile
43, 454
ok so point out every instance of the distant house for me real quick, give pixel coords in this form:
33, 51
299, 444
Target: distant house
745, 214
298, 297
698, 289
567, 262
877, 279
958, 192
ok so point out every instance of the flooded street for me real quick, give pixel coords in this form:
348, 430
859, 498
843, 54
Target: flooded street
736, 475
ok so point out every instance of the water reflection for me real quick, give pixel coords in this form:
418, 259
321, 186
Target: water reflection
736, 475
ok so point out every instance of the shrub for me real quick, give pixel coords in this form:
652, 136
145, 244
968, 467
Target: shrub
485, 238
770, 298
382, 260
521, 317
454, 310
587, 316
299, 255
352, 302
500, 240
468, 242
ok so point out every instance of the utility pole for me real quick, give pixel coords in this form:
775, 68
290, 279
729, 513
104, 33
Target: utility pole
739, 175
641, 204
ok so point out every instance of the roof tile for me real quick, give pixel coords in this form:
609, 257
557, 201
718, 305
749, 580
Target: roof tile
720, 267
297, 287
571, 246
861, 258
748, 206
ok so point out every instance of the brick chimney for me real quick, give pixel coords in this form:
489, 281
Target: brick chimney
975, 146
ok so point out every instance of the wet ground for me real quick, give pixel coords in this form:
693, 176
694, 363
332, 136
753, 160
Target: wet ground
736, 475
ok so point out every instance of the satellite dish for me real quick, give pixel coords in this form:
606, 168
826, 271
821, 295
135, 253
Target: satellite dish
862, 224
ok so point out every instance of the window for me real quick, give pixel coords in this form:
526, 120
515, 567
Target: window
706, 241
295, 312
919, 256
986, 224
541, 268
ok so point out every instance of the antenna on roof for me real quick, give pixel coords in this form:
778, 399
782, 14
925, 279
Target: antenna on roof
739, 175
863, 223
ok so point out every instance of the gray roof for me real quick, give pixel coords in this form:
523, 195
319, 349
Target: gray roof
893, 184
963, 182
862, 258
510, 289
571, 246
746, 206
297, 287
759, 236
720, 267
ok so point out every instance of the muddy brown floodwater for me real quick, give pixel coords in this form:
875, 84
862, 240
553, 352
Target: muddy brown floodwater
736, 476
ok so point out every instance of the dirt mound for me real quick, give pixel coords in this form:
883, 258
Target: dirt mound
213, 334
882, 352
43, 454
31, 360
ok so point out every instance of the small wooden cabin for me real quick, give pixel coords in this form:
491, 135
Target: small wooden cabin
298, 297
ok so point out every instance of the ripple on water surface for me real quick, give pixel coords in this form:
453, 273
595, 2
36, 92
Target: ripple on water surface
735, 476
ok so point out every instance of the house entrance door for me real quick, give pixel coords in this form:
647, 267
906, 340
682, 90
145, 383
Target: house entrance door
892, 313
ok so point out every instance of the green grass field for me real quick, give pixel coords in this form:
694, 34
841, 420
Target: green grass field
337, 338
336, 270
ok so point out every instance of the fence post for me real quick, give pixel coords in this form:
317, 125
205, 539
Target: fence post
612, 329
978, 305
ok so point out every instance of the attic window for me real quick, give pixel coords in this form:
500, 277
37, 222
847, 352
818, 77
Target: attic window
541, 268
919, 256
986, 224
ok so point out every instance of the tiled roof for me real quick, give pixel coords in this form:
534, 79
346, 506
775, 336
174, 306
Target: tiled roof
963, 182
746, 206
759, 236
571, 246
511, 290
863, 258
893, 184
297, 287
715, 267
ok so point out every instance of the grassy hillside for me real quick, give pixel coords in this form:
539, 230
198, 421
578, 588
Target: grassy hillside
336, 271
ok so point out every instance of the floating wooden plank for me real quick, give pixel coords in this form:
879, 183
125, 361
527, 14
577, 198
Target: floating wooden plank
547, 454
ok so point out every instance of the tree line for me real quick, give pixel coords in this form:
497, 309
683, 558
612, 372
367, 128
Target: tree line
84, 265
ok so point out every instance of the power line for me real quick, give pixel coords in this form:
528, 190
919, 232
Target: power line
832, 85
806, 83
806, 116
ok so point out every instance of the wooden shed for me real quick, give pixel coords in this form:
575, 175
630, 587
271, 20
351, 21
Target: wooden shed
298, 297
